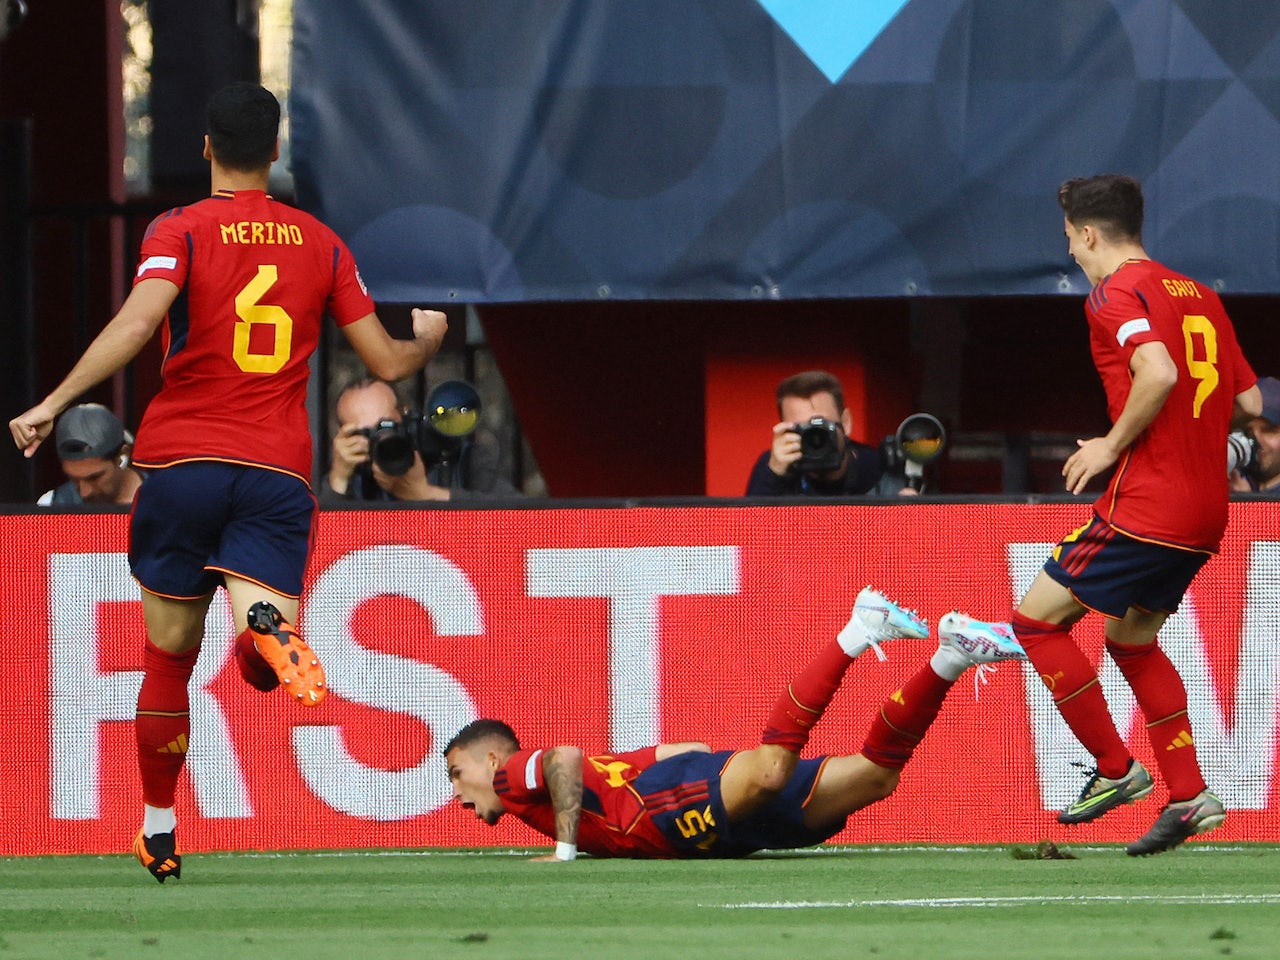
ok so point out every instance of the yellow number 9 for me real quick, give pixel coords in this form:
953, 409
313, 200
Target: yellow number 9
1206, 370
250, 311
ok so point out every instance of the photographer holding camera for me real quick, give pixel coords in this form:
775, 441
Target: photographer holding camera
378, 452
1253, 454
812, 452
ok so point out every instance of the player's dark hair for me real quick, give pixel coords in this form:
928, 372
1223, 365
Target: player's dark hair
1111, 202
243, 121
805, 385
480, 730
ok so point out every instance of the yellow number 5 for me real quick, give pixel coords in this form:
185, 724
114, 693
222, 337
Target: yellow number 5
250, 311
1206, 370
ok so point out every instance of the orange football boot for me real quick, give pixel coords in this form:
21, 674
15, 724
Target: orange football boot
295, 663
159, 854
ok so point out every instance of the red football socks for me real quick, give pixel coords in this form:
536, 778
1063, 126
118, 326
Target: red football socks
805, 699
163, 723
1074, 686
904, 719
1162, 698
253, 667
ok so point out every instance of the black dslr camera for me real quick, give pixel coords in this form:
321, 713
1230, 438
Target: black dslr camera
392, 443
438, 433
821, 445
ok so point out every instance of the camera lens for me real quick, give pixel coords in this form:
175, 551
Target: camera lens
1242, 451
815, 441
820, 448
392, 451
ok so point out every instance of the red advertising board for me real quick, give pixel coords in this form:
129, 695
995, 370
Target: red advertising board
609, 628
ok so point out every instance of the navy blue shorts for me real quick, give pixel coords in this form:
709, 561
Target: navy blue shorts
1110, 572
195, 521
682, 797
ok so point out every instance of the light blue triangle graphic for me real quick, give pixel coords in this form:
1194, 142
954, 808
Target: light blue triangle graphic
833, 33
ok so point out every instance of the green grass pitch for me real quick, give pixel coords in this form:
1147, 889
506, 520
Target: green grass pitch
1204, 900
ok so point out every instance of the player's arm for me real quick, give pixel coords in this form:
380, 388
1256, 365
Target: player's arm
664, 750
119, 342
562, 774
1154, 375
1248, 406
388, 358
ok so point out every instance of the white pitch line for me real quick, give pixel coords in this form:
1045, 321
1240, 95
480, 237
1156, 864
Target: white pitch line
1227, 899
355, 853
825, 850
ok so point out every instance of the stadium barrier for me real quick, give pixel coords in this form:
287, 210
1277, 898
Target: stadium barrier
608, 627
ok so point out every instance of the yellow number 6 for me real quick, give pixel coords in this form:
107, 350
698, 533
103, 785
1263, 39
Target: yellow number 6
250, 311
1206, 370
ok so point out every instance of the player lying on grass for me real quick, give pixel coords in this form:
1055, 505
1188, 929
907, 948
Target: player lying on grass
682, 800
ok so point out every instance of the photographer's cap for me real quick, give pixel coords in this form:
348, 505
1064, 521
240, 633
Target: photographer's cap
1270, 388
87, 432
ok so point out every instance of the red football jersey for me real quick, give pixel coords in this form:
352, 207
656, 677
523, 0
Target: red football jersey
1171, 485
614, 821
256, 278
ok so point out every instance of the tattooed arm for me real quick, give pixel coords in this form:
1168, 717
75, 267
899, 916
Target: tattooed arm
562, 771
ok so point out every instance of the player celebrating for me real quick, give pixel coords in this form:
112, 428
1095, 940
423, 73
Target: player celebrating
1176, 381
681, 800
241, 283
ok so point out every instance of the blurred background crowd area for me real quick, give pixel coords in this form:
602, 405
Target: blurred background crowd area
611, 397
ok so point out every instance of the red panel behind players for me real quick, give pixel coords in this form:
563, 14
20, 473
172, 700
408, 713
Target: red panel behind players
602, 627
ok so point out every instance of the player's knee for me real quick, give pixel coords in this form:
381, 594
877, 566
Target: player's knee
881, 782
769, 778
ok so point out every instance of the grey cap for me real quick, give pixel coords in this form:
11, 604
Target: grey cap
89, 431
1270, 388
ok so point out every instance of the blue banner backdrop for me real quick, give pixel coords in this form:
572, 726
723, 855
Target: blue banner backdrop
509, 150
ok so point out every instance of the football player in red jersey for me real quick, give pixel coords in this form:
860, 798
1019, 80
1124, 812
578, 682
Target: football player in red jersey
1176, 382
239, 284
681, 800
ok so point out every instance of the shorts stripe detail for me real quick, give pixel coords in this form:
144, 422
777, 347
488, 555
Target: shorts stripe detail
1101, 613
163, 713
1094, 539
677, 796
817, 778
1079, 560
678, 803
697, 792
259, 583
171, 596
